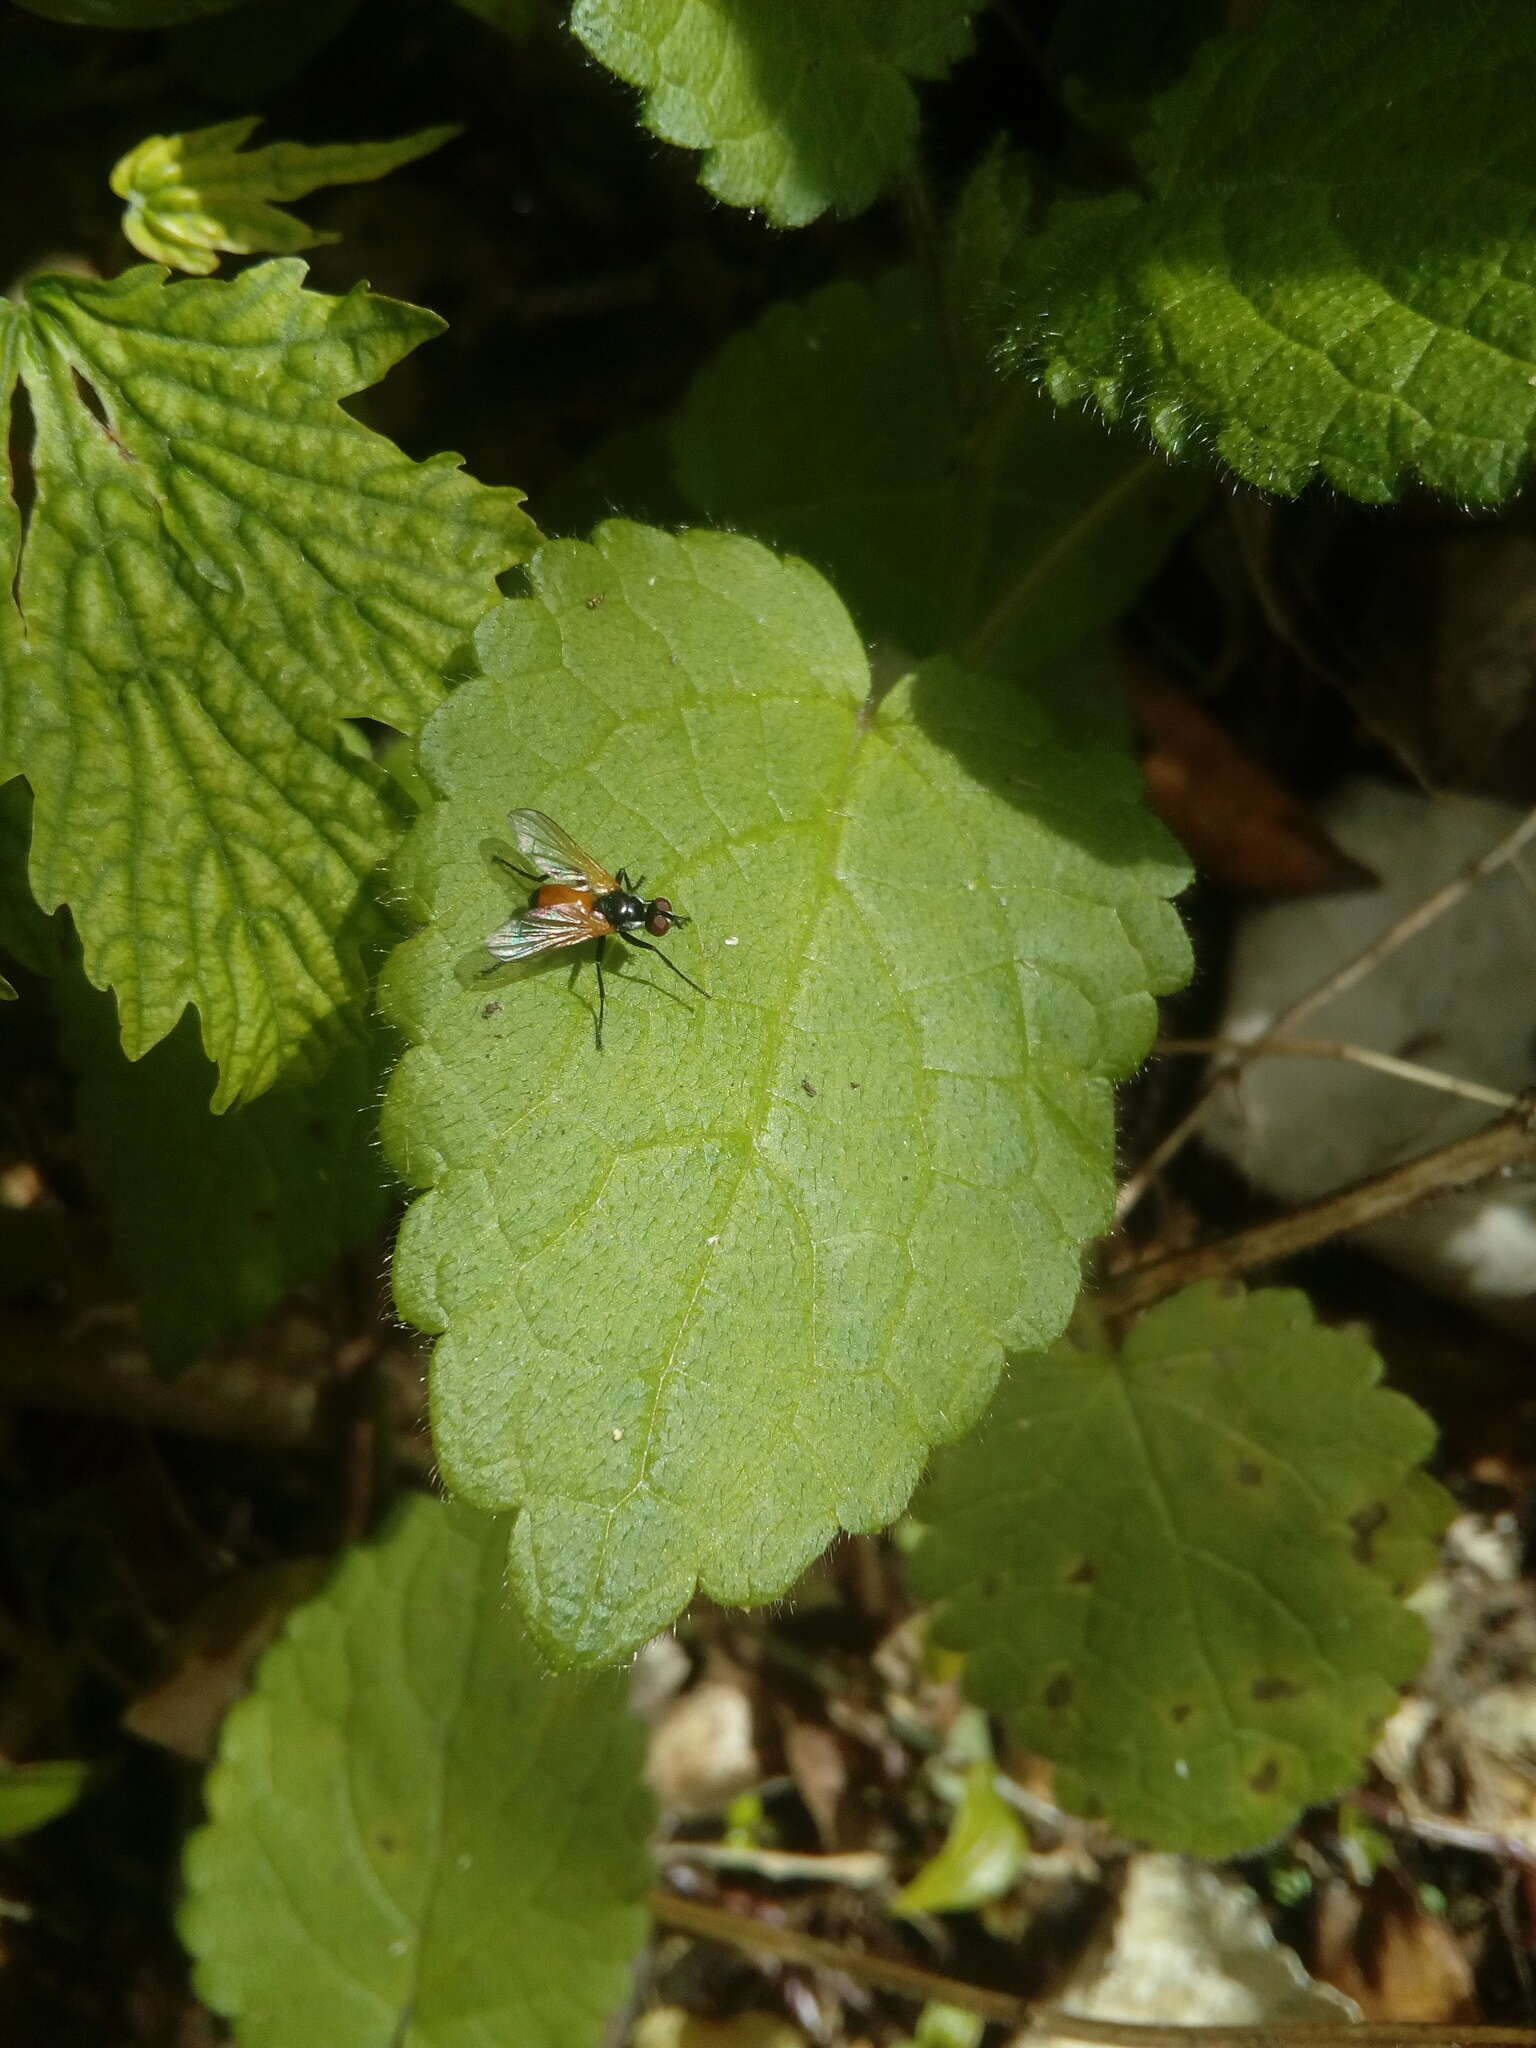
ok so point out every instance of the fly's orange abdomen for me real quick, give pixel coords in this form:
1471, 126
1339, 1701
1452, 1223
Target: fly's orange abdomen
552, 893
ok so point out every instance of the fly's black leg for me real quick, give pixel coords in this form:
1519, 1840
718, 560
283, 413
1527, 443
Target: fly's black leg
512, 868
602, 992
646, 947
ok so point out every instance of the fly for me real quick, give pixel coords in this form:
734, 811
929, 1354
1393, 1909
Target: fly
575, 899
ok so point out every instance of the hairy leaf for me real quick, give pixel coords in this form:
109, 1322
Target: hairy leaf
942, 520
799, 105
417, 1834
711, 1295
219, 568
1333, 267
1164, 1563
218, 1218
189, 196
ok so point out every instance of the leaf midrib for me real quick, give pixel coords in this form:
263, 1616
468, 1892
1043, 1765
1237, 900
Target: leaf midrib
754, 1122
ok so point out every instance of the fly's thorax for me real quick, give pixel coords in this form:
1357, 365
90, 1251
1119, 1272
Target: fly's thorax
622, 908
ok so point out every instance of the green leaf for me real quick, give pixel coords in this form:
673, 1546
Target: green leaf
190, 196
217, 1218
711, 1296
31, 1795
1162, 1563
220, 568
799, 105
417, 1834
1331, 271
982, 1855
1020, 531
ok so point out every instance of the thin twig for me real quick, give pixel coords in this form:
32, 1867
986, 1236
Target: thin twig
1354, 1055
1509, 1141
713, 1923
1353, 971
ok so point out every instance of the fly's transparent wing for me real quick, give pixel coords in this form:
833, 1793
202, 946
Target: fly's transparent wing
542, 930
555, 854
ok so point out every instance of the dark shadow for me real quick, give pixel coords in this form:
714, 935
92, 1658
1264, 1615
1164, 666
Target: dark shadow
1080, 779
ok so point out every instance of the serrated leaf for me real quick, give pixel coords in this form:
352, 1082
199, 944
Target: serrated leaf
416, 1833
31, 1795
799, 105
220, 567
1331, 271
1161, 1563
217, 1218
1029, 531
710, 1296
190, 196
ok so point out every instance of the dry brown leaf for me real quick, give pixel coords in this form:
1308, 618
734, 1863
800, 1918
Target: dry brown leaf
1396, 1960
1237, 823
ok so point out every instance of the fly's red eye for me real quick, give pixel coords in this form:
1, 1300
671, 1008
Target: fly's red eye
659, 921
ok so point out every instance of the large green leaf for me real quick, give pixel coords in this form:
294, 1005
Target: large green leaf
1333, 266
799, 105
219, 568
217, 1218
940, 511
190, 196
713, 1294
1166, 1564
415, 1833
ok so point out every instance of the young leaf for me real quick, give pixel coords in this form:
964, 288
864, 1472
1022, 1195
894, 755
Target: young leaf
1331, 269
799, 105
983, 1853
1030, 528
1164, 1565
219, 568
190, 196
416, 1833
710, 1295
31, 1795
217, 1218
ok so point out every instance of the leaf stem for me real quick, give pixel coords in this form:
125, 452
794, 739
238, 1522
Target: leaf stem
1020, 594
